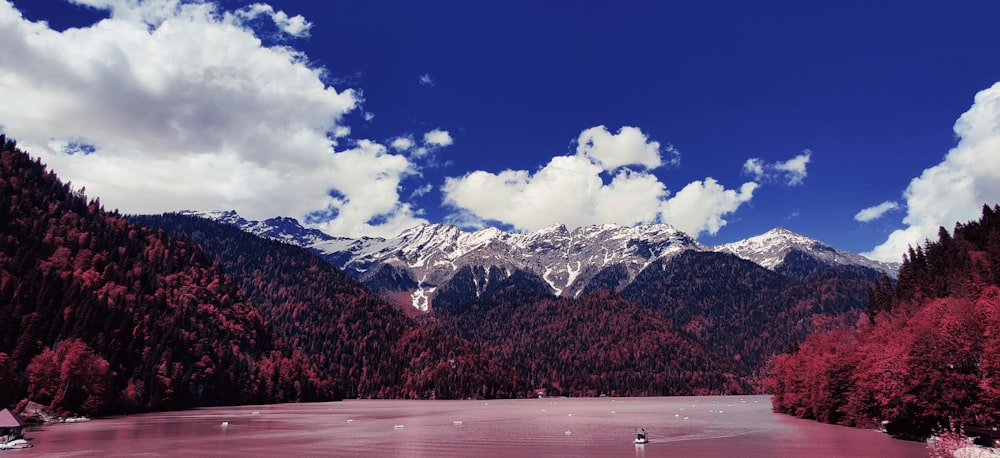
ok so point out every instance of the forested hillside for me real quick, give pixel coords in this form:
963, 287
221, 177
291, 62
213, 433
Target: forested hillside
360, 340
597, 344
100, 315
928, 354
742, 311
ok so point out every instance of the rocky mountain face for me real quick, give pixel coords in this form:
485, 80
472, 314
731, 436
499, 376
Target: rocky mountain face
411, 267
786, 252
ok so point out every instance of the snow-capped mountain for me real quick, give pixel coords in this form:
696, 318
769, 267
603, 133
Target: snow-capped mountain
431, 254
565, 259
418, 260
785, 251
284, 229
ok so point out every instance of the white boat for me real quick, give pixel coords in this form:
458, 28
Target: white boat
16, 443
640, 436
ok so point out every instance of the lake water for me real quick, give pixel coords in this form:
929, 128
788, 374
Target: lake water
732, 426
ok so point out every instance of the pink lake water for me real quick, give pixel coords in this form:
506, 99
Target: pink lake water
716, 426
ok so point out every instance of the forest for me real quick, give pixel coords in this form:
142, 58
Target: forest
744, 312
596, 344
100, 315
926, 356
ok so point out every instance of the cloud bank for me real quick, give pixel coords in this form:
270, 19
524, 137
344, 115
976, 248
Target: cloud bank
608, 180
169, 105
956, 189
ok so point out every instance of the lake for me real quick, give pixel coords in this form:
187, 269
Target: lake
741, 426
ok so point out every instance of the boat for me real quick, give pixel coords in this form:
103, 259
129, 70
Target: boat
640, 436
14, 444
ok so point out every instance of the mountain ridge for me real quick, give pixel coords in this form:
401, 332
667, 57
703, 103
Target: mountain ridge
567, 260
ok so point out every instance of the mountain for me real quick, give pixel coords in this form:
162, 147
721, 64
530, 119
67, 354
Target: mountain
799, 256
368, 345
410, 268
422, 258
742, 311
597, 343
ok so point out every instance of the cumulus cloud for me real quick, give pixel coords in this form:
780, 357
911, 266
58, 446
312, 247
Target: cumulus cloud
792, 172
700, 206
402, 143
568, 190
295, 26
875, 212
956, 189
593, 187
433, 141
176, 105
628, 147
438, 138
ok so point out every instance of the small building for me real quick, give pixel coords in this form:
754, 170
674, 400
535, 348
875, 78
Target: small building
11, 426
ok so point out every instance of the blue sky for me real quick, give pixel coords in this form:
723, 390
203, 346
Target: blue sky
722, 118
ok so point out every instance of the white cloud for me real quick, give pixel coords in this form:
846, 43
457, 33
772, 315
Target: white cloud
296, 26
185, 108
568, 190
572, 190
369, 180
792, 172
438, 138
402, 143
425, 80
956, 189
422, 191
754, 167
433, 141
875, 212
628, 147
700, 206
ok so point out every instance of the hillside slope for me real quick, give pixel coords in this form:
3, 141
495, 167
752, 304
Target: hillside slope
927, 358
100, 315
363, 342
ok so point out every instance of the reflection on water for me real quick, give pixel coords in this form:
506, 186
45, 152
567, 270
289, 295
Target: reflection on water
677, 426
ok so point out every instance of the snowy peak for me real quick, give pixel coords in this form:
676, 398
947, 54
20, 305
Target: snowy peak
774, 249
431, 254
284, 229
422, 258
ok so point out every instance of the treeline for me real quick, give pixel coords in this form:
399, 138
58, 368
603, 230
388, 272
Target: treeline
597, 344
368, 345
926, 357
99, 315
